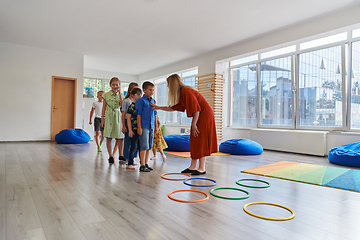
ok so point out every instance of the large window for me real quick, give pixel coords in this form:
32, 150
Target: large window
123, 87
320, 88
355, 88
93, 85
190, 81
308, 85
161, 97
244, 96
276, 95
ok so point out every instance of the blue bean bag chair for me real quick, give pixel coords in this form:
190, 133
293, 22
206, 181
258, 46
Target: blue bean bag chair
70, 136
178, 143
241, 147
346, 155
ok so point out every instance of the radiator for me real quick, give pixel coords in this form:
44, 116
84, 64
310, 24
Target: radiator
296, 141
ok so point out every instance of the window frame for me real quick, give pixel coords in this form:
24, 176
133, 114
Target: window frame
346, 67
179, 114
259, 125
343, 94
230, 97
349, 81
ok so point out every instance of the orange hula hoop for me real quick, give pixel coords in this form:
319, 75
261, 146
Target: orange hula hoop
172, 179
187, 201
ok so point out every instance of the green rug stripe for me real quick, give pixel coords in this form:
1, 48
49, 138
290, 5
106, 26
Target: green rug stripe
315, 177
297, 167
294, 172
332, 173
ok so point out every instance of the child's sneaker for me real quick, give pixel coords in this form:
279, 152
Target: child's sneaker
122, 159
144, 169
99, 149
153, 158
163, 157
150, 168
111, 160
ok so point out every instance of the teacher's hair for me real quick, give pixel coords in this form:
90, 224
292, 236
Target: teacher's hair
175, 84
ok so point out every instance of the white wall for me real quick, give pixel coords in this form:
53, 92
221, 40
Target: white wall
25, 85
341, 138
93, 73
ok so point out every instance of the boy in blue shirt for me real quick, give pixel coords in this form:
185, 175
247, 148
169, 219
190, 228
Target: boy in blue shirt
146, 124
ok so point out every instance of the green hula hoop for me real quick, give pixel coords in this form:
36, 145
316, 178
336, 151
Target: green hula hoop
257, 180
237, 198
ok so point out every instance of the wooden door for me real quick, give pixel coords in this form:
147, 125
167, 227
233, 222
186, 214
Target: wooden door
63, 104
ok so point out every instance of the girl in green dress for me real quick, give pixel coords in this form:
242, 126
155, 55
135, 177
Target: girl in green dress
111, 117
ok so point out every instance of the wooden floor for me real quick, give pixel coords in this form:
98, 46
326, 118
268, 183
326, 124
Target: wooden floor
53, 191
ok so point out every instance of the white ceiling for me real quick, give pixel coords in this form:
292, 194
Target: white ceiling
136, 36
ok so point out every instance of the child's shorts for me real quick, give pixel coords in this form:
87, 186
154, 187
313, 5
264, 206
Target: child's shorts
146, 139
97, 125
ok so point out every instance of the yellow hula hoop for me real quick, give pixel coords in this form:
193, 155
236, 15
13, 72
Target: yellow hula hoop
267, 218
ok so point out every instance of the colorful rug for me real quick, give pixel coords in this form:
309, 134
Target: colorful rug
187, 154
335, 177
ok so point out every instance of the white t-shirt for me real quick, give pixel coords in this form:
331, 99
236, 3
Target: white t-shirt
98, 108
126, 103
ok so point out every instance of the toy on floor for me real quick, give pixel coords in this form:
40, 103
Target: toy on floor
268, 218
251, 186
188, 201
230, 188
195, 185
175, 179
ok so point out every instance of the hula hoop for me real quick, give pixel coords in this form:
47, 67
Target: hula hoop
257, 180
172, 179
188, 201
267, 218
238, 189
194, 185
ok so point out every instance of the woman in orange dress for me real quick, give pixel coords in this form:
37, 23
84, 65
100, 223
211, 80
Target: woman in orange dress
203, 139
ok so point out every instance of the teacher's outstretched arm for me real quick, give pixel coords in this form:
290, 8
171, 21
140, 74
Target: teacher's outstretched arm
164, 108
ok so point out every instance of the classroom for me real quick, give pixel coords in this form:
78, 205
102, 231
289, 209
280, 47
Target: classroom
282, 74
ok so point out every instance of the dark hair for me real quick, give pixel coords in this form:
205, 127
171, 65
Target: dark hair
147, 84
131, 87
135, 91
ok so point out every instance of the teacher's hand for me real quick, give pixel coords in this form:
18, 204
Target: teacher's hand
195, 131
154, 106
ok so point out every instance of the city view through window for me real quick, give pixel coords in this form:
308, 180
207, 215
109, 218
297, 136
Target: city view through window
298, 89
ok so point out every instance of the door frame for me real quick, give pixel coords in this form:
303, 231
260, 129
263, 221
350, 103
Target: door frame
52, 134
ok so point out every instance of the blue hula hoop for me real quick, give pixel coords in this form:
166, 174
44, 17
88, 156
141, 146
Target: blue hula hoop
194, 185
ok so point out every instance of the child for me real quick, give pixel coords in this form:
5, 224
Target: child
97, 108
125, 105
146, 124
111, 112
159, 142
133, 127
